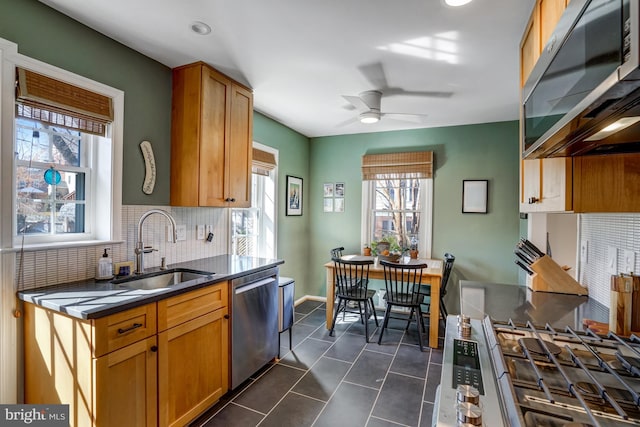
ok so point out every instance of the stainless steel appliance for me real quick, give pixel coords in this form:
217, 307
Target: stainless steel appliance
544, 376
587, 78
254, 323
286, 292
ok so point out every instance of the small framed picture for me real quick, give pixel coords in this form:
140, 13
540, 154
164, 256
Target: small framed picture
474, 196
294, 196
328, 189
338, 204
339, 191
328, 204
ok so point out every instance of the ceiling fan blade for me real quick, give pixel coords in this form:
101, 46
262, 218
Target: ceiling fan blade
348, 122
432, 94
375, 74
357, 102
413, 118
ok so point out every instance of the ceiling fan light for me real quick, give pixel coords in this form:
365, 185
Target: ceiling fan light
456, 3
369, 117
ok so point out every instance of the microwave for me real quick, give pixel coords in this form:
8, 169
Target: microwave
583, 95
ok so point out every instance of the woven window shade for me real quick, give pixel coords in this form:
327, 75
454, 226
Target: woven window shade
62, 104
415, 165
263, 162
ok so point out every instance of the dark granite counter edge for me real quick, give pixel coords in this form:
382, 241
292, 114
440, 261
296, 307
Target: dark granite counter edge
78, 294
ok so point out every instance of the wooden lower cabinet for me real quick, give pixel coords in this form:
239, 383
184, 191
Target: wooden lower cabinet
192, 367
126, 386
121, 370
61, 367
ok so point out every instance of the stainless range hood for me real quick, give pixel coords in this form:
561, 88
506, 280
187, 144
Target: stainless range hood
586, 80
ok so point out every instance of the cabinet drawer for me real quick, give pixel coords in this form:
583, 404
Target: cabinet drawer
182, 308
121, 329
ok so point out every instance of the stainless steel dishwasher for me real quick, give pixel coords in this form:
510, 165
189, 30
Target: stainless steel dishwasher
254, 323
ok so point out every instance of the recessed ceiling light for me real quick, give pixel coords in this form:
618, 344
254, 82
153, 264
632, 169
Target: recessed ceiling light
457, 2
200, 28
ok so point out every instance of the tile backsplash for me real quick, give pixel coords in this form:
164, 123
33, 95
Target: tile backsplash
54, 266
601, 232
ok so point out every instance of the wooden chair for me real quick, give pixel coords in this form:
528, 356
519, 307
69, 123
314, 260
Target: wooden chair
352, 282
425, 290
402, 283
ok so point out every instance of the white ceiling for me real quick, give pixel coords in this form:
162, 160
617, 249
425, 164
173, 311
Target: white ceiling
300, 56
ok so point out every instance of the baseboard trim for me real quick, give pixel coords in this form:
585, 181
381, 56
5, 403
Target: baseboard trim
309, 298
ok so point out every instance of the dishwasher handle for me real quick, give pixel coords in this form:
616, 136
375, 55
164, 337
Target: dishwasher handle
249, 286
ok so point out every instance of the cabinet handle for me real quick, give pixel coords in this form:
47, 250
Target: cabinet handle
233, 200
226, 316
131, 328
154, 348
229, 199
533, 200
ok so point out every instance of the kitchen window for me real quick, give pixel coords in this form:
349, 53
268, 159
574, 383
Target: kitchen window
397, 193
66, 136
253, 230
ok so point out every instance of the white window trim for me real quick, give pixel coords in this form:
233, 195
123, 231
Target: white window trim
107, 209
426, 233
275, 153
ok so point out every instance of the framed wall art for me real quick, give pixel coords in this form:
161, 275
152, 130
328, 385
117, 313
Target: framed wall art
474, 196
328, 189
294, 196
328, 204
339, 189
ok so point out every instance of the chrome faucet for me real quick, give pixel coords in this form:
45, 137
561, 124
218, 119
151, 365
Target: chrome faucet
140, 249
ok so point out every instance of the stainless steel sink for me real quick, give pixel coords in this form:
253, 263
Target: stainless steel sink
162, 279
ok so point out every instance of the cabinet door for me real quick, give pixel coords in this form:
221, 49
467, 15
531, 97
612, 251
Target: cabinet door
216, 102
193, 370
125, 386
530, 185
239, 153
608, 183
557, 189
530, 46
550, 13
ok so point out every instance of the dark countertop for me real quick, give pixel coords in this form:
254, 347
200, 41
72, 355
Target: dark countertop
519, 303
91, 299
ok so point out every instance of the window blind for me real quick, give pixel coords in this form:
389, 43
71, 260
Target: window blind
58, 103
417, 165
263, 162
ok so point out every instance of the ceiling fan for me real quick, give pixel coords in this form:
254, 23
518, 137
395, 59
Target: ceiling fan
368, 102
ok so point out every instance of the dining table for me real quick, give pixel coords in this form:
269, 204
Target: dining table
432, 276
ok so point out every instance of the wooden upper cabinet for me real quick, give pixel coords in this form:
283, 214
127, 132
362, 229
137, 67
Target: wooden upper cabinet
530, 46
539, 29
211, 139
547, 185
607, 183
550, 13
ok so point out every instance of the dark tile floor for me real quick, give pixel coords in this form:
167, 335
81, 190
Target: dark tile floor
339, 380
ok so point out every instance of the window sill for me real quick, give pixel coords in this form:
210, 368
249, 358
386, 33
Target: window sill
59, 245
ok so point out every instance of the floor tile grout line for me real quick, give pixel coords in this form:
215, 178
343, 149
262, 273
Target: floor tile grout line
390, 421
341, 381
385, 377
300, 379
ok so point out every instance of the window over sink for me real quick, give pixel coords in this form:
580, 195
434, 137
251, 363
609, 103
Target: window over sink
65, 133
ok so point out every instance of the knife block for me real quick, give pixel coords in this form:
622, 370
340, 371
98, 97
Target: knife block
550, 277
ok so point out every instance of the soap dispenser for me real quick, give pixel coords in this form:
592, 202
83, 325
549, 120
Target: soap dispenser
104, 268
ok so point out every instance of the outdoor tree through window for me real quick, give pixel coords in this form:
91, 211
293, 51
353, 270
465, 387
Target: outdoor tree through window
59, 206
396, 212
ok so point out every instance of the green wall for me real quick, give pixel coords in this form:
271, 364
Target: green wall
44, 34
483, 244
293, 231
